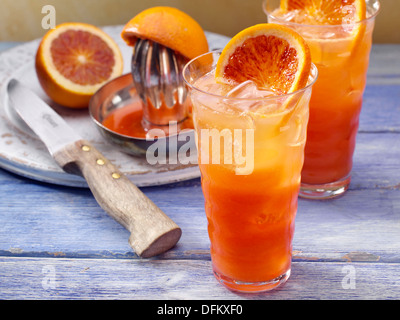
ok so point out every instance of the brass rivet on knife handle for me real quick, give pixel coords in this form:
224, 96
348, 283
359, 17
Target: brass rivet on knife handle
152, 231
116, 175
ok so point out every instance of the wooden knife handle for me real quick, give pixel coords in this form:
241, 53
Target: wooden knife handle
152, 231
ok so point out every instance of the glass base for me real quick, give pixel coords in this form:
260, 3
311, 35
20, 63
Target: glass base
324, 191
252, 287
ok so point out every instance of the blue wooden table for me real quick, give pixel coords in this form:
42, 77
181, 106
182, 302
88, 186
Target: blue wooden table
57, 243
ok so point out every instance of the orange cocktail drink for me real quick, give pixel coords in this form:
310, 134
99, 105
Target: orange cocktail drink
250, 151
340, 45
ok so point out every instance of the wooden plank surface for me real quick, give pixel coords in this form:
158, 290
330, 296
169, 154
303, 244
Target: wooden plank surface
69, 223
50, 230
33, 278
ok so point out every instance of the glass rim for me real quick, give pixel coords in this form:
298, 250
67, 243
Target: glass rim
327, 26
313, 73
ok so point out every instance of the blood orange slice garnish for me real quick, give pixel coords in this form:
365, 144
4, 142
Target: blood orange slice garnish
274, 57
331, 12
74, 60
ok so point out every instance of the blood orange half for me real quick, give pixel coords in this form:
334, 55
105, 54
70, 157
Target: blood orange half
74, 60
274, 57
170, 27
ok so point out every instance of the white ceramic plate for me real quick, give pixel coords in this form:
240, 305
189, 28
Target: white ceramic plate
22, 153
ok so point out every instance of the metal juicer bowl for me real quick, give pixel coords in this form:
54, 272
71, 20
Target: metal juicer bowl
116, 94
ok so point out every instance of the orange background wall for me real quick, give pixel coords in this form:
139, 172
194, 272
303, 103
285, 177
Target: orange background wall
20, 20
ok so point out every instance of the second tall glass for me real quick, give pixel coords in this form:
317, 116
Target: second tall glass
341, 54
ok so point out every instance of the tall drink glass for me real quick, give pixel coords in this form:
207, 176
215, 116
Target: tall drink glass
341, 54
250, 153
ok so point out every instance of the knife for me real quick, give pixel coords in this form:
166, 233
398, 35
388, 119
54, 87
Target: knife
152, 231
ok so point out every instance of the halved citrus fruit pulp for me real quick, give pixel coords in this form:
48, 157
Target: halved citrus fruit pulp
74, 60
274, 57
170, 27
331, 12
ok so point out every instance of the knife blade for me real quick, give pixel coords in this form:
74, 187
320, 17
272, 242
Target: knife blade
152, 231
